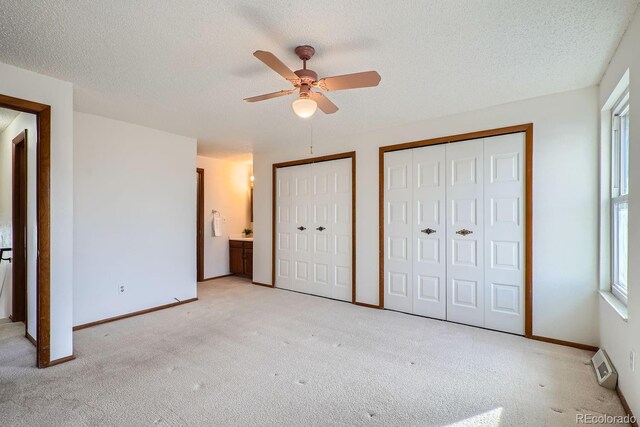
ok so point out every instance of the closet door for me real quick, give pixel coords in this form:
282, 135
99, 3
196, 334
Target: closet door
504, 232
320, 229
341, 229
314, 229
399, 236
301, 256
285, 235
465, 226
429, 232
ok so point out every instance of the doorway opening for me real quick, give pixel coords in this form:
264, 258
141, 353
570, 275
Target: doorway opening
25, 129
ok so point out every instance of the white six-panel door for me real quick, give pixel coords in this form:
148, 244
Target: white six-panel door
454, 232
313, 229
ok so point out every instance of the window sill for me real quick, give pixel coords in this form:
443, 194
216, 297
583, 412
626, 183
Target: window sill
616, 304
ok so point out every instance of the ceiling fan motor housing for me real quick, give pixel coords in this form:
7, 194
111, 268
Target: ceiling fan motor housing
307, 76
305, 52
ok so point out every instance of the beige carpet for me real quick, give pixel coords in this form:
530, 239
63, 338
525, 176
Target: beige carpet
248, 355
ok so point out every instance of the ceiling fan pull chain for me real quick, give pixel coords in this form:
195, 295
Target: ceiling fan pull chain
311, 130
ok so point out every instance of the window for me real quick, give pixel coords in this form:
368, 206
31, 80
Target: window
620, 198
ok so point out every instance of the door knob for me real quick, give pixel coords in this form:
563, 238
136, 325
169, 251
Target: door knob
320, 228
428, 230
464, 232
301, 228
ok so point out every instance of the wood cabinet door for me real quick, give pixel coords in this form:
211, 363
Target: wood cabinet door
248, 261
236, 264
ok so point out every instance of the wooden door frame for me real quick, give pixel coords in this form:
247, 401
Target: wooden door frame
348, 155
200, 226
528, 256
43, 261
19, 197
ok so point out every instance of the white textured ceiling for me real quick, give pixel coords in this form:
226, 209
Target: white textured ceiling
184, 66
6, 117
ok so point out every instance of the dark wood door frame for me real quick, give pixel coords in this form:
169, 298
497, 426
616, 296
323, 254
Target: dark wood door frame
349, 155
200, 227
43, 261
528, 256
19, 229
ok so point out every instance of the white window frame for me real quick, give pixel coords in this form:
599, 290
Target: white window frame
619, 194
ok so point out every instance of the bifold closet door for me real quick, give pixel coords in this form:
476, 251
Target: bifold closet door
415, 255
341, 240
301, 249
504, 185
284, 228
313, 229
398, 231
465, 232
429, 232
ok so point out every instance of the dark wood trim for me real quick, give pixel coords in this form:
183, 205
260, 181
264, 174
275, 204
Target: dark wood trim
31, 339
215, 277
133, 314
262, 284
363, 304
528, 130
62, 360
200, 227
319, 159
564, 343
43, 267
626, 407
273, 225
353, 228
381, 152
528, 237
19, 196
348, 155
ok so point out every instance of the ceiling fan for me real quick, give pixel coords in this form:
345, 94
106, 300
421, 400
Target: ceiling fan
305, 79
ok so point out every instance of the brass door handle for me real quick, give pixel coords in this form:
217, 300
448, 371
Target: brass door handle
464, 232
428, 231
301, 228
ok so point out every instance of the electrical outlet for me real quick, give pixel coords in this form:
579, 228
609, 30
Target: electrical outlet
632, 360
121, 289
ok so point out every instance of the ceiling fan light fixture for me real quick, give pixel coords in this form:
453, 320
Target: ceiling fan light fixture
304, 107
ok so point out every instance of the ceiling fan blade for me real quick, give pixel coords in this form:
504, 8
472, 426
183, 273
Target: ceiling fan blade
271, 61
350, 81
270, 95
323, 102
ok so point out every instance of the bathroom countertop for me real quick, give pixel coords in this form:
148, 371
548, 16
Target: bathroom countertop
240, 238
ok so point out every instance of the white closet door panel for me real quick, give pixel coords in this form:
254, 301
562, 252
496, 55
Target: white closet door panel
320, 230
398, 236
429, 232
465, 224
284, 228
302, 268
341, 236
504, 232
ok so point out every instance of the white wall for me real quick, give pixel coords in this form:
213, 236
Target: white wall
227, 190
134, 218
20, 123
565, 203
58, 94
617, 336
